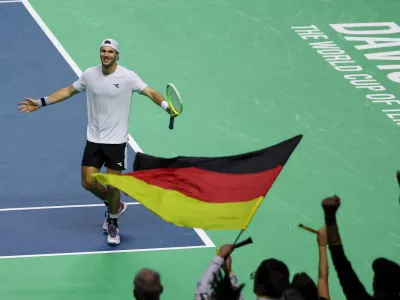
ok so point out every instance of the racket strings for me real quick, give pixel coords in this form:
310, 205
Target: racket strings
174, 98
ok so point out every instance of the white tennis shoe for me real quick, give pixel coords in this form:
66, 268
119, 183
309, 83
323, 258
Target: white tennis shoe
113, 238
122, 209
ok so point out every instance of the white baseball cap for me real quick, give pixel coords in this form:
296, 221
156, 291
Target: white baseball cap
110, 43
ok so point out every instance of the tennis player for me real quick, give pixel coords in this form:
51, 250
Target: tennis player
109, 88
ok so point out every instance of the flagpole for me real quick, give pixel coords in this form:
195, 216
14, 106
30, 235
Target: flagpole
249, 218
240, 233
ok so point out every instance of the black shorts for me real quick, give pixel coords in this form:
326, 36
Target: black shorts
112, 156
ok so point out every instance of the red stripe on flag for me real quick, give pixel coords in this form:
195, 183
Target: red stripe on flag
211, 186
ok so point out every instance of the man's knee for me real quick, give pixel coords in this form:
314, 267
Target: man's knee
88, 182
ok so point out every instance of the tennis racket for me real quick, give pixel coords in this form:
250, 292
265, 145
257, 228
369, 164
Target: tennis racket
175, 103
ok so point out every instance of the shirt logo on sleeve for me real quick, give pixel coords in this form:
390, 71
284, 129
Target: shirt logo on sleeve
117, 85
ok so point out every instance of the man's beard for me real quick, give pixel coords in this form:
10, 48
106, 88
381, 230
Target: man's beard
109, 64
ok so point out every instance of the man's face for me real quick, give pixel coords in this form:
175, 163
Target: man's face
108, 56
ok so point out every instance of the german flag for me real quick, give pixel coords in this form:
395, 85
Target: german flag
204, 192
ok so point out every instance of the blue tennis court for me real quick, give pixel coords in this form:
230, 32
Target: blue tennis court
42, 201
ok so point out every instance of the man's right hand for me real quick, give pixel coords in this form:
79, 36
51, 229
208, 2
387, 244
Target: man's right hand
29, 106
330, 206
226, 250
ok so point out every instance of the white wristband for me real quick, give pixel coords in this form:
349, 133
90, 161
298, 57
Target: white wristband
44, 101
164, 105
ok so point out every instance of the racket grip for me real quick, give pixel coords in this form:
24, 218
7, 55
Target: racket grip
171, 123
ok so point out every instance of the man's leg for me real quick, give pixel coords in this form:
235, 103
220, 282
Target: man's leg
115, 208
115, 164
114, 197
92, 161
92, 185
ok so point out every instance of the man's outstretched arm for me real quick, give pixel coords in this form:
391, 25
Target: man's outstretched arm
157, 98
33, 104
62, 94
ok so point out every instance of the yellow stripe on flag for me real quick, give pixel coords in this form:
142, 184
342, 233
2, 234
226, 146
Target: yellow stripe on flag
182, 210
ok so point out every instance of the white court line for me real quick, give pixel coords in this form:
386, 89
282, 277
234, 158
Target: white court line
134, 145
12, 1
204, 237
52, 38
103, 252
58, 206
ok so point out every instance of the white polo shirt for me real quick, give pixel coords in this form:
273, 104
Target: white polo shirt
108, 102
